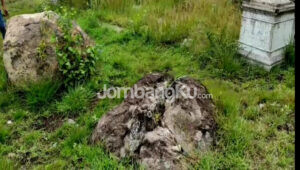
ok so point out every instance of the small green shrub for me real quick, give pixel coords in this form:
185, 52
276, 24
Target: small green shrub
222, 53
75, 101
76, 59
290, 55
222, 58
40, 94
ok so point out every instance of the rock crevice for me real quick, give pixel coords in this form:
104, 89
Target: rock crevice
158, 130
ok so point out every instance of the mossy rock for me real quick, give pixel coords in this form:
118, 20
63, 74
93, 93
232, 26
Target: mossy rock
29, 52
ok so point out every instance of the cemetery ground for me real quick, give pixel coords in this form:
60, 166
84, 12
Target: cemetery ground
255, 108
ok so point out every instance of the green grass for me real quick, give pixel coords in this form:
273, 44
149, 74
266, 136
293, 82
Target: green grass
3, 77
255, 108
4, 134
16, 7
75, 101
290, 55
171, 21
19, 115
40, 94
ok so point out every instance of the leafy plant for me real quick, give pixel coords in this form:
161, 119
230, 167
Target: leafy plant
76, 58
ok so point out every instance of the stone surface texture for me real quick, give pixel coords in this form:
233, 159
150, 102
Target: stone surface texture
29, 55
267, 28
158, 131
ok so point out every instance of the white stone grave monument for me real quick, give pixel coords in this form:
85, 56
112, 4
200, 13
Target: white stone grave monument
268, 26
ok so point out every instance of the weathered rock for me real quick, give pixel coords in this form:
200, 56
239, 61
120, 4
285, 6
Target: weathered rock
159, 130
29, 56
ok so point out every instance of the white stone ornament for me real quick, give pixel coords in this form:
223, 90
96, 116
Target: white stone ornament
268, 26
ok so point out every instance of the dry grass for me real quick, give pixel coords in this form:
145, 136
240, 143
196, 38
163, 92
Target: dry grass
171, 21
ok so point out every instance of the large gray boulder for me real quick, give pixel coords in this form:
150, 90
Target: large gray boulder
158, 131
29, 55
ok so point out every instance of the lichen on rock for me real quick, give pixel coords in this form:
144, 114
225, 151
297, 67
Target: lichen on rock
29, 55
159, 131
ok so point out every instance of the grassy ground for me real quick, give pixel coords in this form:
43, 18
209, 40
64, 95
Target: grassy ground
255, 108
